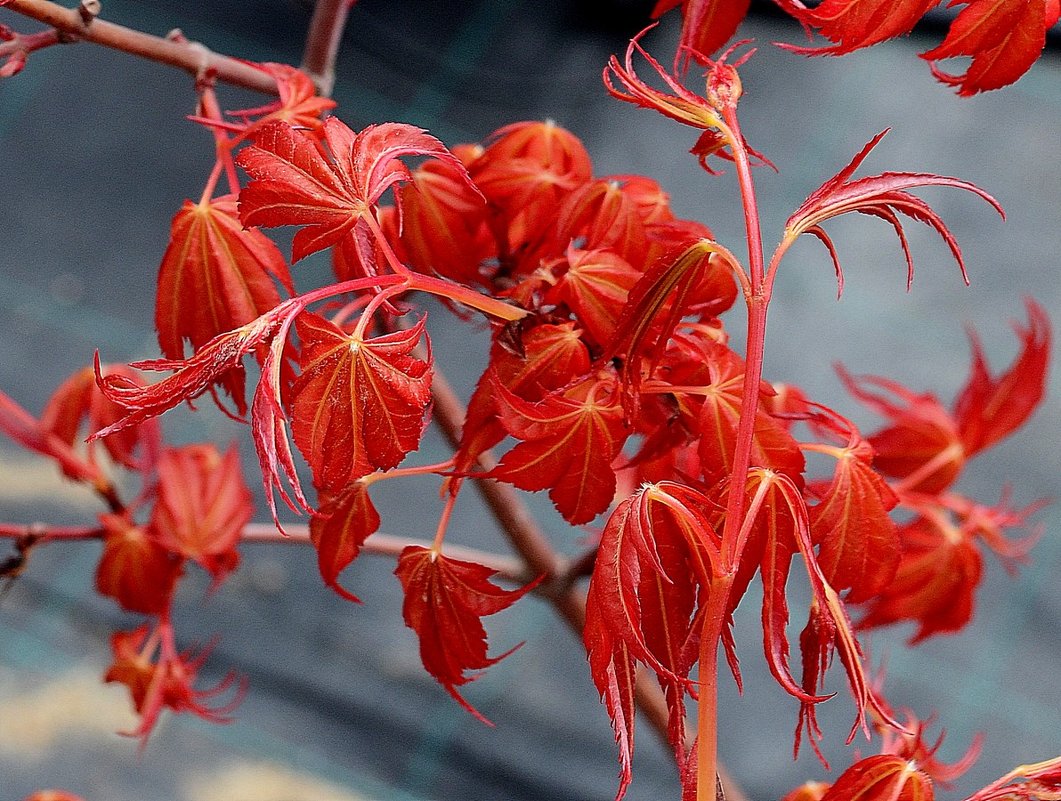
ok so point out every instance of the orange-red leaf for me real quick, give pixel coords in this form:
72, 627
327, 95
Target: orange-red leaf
934, 585
852, 24
569, 439
359, 404
444, 601
657, 554
885, 196
706, 24
1004, 38
215, 276
79, 399
989, 409
294, 183
339, 530
595, 287
135, 569
202, 506
884, 777
859, 542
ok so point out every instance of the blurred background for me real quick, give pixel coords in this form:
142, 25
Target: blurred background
96, 157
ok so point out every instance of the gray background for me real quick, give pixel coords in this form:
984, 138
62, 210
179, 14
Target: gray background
95, 157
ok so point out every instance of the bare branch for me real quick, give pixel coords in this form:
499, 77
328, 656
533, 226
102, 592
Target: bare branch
322, 42
77, 24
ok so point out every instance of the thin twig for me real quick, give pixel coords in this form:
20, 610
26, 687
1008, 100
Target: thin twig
191, 57
322, 43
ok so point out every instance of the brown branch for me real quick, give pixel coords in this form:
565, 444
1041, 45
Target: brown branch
74, 25
322, 42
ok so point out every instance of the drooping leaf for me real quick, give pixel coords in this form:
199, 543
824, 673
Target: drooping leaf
885, 196
569, 440
600, 216
657, 555
215, 276
359, 404
934, 586
136, 569
706, 24
338, 531
294, 183
26, 430
202, 506
989, 409
1004, 38
445, 600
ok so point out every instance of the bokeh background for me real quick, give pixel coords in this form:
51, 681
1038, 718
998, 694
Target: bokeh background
95, 157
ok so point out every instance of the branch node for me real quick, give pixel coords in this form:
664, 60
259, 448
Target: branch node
89, 10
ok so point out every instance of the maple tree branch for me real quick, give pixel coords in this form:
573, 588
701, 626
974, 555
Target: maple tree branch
75, 25
322, 42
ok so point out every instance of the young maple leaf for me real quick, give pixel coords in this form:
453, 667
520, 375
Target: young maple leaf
853, 25
445, 223
136, 569
595, 287
987, 410
543, 358
294, 183
1037, 782
938, 572
297, 101
202, 506
359, 404
859, 542
706, 24
445, 600
884, 196
657, 554
78, 399
215, 276
1004, 38
158, 677
339, 529
569, 440
884, 777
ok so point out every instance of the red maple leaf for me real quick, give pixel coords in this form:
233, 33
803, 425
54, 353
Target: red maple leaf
859, 542
706, 24
853, 24
657, 554
359, 404
136, 569
989, 409
884, 777
202, 506
215, 276
444, 601
885, 196
595, 287
1004, 38
569, 440
339, 529
295, 183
